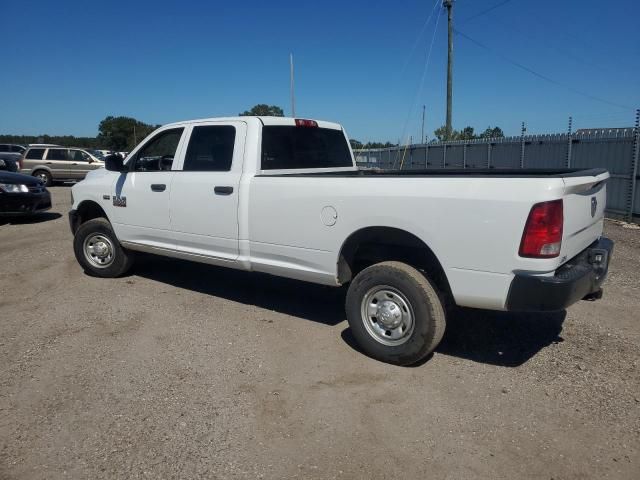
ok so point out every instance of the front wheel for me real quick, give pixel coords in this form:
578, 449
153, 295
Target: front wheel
98, 251
44, 176
395, 313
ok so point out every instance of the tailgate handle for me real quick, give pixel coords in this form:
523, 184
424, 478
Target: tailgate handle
158, 187
223, 190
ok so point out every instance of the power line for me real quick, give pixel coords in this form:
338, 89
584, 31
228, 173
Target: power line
539, 75
415, 45
484, 12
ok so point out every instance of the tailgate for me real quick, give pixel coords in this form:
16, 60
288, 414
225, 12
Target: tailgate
584, 203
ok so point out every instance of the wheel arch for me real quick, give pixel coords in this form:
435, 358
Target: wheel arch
87, 210
375, 244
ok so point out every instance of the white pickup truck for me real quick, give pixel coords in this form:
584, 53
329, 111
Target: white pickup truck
283, 196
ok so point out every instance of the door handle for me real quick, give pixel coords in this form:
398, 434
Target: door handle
158, 187
48, 163
223, 190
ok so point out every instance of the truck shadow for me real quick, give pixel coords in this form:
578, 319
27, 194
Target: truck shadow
500, 338
304, 300
504, 339
29, 219
495, 338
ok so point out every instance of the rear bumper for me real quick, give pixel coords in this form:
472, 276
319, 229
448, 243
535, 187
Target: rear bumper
580, 277
16, 204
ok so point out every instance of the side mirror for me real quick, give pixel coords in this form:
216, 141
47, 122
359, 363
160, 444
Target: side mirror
114, 163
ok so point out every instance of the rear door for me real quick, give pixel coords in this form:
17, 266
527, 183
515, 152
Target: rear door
59, 162
141, 196
204, 195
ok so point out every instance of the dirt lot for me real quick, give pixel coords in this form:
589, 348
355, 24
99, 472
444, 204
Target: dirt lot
189, 371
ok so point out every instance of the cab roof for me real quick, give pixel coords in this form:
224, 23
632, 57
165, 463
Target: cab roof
281, 121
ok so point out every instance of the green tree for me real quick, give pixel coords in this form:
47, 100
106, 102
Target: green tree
355, 144
263, 110
441, 134
495, 132
466, 133
122, 133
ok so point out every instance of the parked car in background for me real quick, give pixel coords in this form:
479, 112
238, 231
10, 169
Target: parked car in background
12, 148
51, 164
98, 154
104, 153
11, 162
22, 195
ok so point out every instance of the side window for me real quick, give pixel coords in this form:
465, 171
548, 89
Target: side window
17, 148
157, 154
79, 156
4, 148
58, 154
210, 149
35, 153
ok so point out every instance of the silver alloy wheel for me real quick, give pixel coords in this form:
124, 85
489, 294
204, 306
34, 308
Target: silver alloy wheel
98, 250
387, 315
43, 176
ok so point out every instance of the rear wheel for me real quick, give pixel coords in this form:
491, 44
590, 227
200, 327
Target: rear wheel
44, 176
395, 313
98, 251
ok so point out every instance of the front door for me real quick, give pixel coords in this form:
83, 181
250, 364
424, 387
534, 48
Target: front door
205, 190
81, 163
141, 195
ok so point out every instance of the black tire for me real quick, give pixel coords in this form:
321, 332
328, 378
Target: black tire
46, 177
416, 295
121, 260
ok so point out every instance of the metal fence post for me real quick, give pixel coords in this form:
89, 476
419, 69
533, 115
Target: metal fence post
631, 196
426, 156
464, 156
569, 144
524, 129
489, 155
444, 156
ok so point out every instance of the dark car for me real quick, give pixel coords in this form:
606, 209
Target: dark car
22, 195
11, 162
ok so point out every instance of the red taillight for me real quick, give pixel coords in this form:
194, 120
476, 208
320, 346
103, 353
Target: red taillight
21, 162
305, 123
542, 235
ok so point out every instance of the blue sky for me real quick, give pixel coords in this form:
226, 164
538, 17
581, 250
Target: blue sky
69, 64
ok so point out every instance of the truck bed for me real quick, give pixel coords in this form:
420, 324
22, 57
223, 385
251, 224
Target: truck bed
455, 172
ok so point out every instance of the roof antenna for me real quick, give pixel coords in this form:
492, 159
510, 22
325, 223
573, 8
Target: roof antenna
293, 98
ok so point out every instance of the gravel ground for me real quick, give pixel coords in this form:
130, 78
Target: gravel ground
190, 371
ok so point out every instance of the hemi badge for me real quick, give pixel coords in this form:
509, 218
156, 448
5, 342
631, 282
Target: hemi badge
106, 197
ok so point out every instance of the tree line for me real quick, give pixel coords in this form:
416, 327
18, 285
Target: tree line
124, 133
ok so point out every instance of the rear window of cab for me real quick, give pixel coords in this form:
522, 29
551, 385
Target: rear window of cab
289, 147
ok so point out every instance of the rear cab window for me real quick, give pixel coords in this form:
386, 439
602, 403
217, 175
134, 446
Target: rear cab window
293, 147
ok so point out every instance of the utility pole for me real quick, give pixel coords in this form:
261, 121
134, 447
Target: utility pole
422, 136
293, 99
448, 4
